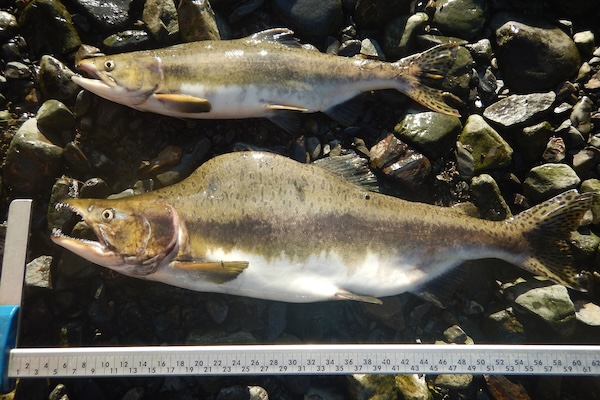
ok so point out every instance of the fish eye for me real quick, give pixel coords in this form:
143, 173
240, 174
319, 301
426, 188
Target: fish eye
109, 65
107, 214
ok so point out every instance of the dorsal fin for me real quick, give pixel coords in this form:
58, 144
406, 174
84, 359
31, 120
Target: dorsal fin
351, 168
282, 36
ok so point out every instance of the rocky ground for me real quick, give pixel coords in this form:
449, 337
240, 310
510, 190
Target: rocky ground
529, 76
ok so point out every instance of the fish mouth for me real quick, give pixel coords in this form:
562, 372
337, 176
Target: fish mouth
89, 69
97, 252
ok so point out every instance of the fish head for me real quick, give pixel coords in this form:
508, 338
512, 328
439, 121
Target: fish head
122, 78
134, 237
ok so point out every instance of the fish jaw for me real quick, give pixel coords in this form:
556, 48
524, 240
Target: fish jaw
91, 250
109, 90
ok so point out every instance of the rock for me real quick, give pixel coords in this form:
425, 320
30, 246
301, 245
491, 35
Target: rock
54, 80
37, 272
532, 140
518, 110
48, 28
8, 25
400, 34
584, 247
584, 161
548, 180
481, 50
390, 313
365, 386
108, 16
453, 381
53, 116
533, 54
585, 42
503, 327
323, 393
488, 148
455, 334
32, 162
371, 49
197, 21
555, 150
160, 17
546, 307
413, 387
500, 387
401, 163
462, 18
593, 185
58, 393
465, 163
17, 70
373, 14
129, 40
488, 199
581, 116
350, 48
587, 313
311, 17
431, 132
168, 157
202, 337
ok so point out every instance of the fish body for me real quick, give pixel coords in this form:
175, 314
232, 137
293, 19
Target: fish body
262, 225
267, 75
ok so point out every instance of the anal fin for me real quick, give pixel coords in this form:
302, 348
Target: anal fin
183, 103
346, 112
345, 295
215, 272
285, 117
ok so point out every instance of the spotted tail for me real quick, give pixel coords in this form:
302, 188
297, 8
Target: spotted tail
546, 229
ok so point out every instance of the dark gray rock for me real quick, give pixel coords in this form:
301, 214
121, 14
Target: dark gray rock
462, 18
17, 70
54, 80
160, 17
593, 186
8, 25
502, 326
533, 54
311, 17
400, 34
532, 140
48, 28
488, 148
197, 21
108, 16
488, 199
53, 116
581, 116
555, 150
519, 110
431, 132
370, 14
129, 40
548, 180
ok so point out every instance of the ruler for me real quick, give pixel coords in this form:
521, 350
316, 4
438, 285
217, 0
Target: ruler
304, 359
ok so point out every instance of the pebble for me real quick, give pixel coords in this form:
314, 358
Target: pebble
488, 148
107, 16
372, 386
129, 40
503, 327
53, 116
453, 381
593, 185
500, 387
37, 272
370, 48
524, 46
390, 313
532, 140
518, 110
217, 308
431, 132
197, 21
413, 387
400, 34
488, 199
584, 161
585, 42
17, 70
160, 18
54, 80
555, 150
581, 116
587, 313
462, 18
311, 17
548, 180
8, 25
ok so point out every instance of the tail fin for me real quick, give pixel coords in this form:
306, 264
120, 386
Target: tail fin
547, 228
432, 64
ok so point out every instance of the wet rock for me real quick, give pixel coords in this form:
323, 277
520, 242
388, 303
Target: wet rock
584, 247
363, 386
532, 140
371, 49
548, 180
587, 313
398, 161
460, 74
593, 185
462, 18
108, 16
54, 80
53, 116
581, 116
350, 48
168, 157
500, 387
555, 150
17, 70
453, 381
58, 393
129, 40
242, 393
585, 42
8, 25
465, 163
503, 327
32, 162
584, 161
455, 334
197, 21
519, 110
160, 17
488, 199
48, 28
533, 54
430, 132
311, 17
488, 148
413, 387
546, 307
37, 272
400, 34
371, 14
390, 313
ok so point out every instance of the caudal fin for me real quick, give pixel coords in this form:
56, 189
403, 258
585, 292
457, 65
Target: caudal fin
430, 65
547, 228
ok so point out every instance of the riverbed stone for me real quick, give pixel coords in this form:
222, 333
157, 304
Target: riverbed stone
581, 115
488, 148
8, 25
519, 110
108, 16
399, 162
372, 386
532, 140
533, 54
128, 40
400, 34
488, 199
32, 161
587, 313
37, 272
462, 18
373, 14
160, 17
53, 116
548, 180
413, 387
54, 80
311, 17
585, 42
197, 21
453, 381
431, 132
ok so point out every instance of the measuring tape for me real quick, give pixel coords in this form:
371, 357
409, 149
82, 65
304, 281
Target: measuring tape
258, 359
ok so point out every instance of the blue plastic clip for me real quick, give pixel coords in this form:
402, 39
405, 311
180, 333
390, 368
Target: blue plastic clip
9, 318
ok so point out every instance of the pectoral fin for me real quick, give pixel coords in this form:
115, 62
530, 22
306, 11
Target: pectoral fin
345, 295
183, 103
216, 272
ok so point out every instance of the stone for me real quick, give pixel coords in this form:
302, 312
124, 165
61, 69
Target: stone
372, 386
53, 116
160, 17
217, 308
532, 140
584, 247
48, 28
500, 387
413, 387
585, 42
54, 80
581, 115
108, 16
548, 180
8, 25
37, 272
587, 313
129, 40
371, 49
400, 34
311, 17
503, 327
593, 185
533, 54
17, 70
488, 199
519, 110
461, 18
555, 151
202, 337
453, 381
431, 132
488, 148
32, 161
548, 307
197, 21
455, 334
373, 14
390, 313
584, 162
